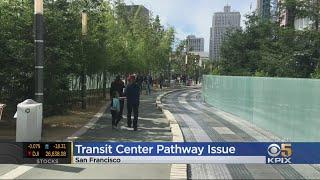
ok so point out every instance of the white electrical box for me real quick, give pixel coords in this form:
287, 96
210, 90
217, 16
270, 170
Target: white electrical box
29, 121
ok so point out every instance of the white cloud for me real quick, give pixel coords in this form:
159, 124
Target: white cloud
190, 16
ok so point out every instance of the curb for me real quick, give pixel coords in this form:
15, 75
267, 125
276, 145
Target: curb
90, 124
178, 171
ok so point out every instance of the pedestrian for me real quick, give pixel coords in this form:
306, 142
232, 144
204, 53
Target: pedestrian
184, 79
140, 82
161, 79
115, 109
118, 86
132, 93
149, 83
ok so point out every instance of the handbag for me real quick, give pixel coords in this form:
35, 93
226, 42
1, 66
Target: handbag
116, 104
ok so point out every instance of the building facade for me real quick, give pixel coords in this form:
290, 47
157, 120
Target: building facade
302, 23
222, 23
264, 8
204, 57
195, 44
299, 23
268, 9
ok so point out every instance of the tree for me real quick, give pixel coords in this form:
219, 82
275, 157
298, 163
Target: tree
116, 43
265, 48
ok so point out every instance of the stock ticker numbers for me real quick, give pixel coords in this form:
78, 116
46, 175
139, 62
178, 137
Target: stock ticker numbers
48, 153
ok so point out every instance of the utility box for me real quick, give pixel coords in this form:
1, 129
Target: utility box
29, 121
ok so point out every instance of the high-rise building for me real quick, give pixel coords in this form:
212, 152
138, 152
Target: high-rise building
195, 44
222, 23
274, 10
302, 23
138, 11
268, 9
283, 16
289, 19
264, 8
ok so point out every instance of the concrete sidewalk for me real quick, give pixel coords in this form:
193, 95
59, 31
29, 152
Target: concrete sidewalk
152, 126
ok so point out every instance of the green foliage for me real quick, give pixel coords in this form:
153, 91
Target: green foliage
216, 71
261, 74
264, 48
117, 42
316, 74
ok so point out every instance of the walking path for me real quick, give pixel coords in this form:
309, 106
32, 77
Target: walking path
152, 126
201, 122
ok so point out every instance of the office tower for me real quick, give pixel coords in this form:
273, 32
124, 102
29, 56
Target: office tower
264, 8
195, 44
222, 23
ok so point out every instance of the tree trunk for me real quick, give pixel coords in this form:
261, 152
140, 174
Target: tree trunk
104, 84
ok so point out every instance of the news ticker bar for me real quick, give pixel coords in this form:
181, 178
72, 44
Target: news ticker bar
162, 152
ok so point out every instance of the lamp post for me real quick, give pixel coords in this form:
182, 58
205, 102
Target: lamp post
199, 70
84, 23
39, 50
195, 69
186, 64
170, 76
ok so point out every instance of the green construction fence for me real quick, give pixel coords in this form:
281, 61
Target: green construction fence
287, 107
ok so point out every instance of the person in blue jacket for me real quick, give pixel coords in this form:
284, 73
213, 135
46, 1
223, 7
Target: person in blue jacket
132, 93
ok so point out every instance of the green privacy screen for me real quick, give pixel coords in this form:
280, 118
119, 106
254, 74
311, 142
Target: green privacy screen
290, 108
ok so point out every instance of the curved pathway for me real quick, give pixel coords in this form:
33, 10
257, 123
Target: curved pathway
201, 122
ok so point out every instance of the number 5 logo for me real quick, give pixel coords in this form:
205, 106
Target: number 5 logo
286, 150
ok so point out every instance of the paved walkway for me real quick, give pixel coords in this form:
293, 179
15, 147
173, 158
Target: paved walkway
152, 127
201, 122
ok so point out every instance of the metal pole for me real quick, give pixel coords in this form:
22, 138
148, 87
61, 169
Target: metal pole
39, 50
186, 72
84, 73
170, 75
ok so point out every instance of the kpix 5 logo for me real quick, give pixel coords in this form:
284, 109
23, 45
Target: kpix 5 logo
279, 155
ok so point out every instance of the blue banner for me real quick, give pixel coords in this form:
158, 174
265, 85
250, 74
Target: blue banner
274, 153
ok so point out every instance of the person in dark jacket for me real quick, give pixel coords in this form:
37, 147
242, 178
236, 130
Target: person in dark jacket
161, 81
149, 83
139, 81
132, 93
117, 86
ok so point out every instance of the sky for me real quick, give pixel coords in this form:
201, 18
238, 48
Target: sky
192, 16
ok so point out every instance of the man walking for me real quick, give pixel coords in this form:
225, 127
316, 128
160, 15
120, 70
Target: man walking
139, 81
149, 83
132, 93
161, 81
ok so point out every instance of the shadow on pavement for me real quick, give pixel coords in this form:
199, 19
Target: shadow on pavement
152, 125
56, 167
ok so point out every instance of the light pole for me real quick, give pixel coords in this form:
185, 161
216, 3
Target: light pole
199, 70
195, 70
39, 50
170, 59
84, 23
186, 64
